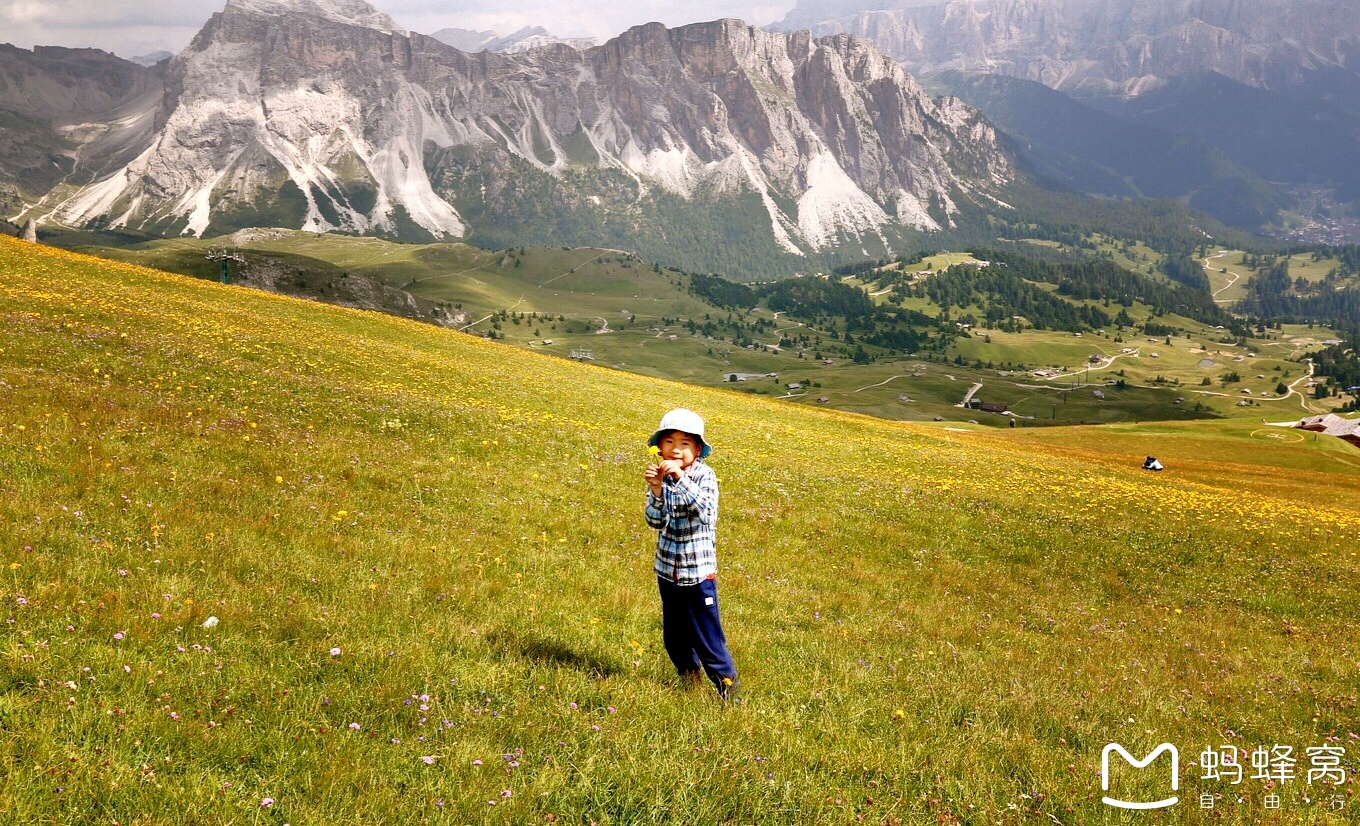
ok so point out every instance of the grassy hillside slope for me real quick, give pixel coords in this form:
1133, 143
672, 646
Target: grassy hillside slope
432, 583
619, 311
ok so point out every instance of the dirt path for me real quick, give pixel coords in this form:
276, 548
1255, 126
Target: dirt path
1208, 268
880, 384
574, 269
1107, 365
1303, 397
968, 398
1235, 276
489, 315
416, 281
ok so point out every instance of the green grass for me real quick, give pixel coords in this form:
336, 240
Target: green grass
577, 283
1227, 288
1303, 266
1228, 276
1228, 455
577, 292
942, 261
1226, 268
931, 625
1131, 255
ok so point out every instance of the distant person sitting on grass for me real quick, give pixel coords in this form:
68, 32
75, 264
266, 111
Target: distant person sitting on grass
682, 505
1152, 464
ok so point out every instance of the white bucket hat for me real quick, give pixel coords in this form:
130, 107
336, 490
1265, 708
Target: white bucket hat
685, 421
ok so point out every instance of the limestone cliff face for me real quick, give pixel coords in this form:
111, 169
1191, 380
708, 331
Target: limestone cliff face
322, 114
1102, 46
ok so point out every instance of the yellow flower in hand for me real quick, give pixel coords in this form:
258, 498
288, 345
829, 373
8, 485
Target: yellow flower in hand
655, 453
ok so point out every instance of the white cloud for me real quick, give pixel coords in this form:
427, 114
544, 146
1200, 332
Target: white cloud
82, 14
133, 27
24, 11
124, 27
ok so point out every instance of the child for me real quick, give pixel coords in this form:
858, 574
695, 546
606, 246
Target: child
682, 504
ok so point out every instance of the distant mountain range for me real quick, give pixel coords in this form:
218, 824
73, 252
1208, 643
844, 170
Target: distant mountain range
1232, 106
529, 37
152, 58
714, 145
1078, 145
1280, 136
1105, 47
65, 113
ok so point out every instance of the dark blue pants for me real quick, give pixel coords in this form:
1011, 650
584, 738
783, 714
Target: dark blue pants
691, 630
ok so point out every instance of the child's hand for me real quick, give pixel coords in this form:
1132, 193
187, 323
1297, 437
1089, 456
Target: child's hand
653, 476
671, 468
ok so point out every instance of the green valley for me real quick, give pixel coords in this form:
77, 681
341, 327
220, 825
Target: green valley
614, 309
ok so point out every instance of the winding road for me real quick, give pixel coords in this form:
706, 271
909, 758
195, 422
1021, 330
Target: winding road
880, 384
1108, 364
1235, 277
968, 398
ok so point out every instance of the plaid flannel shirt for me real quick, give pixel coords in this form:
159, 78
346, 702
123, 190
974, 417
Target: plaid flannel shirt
686, 516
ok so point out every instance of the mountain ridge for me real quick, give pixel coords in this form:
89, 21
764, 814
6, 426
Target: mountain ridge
1103, 48
1090, 148
522, 39
323, 124
1283, 114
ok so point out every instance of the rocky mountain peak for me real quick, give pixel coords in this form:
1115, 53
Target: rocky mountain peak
526, 38
320, 123
348, 12
535, 37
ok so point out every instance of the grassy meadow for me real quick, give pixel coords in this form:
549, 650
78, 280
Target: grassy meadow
624, 313
582, 284
268, 561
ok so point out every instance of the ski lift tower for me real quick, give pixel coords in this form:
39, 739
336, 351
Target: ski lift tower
221, 255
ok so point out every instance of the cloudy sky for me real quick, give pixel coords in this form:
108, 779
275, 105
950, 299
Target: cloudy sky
135, 27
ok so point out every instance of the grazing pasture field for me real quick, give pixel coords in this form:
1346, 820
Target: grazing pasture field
267, 561
611, 308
